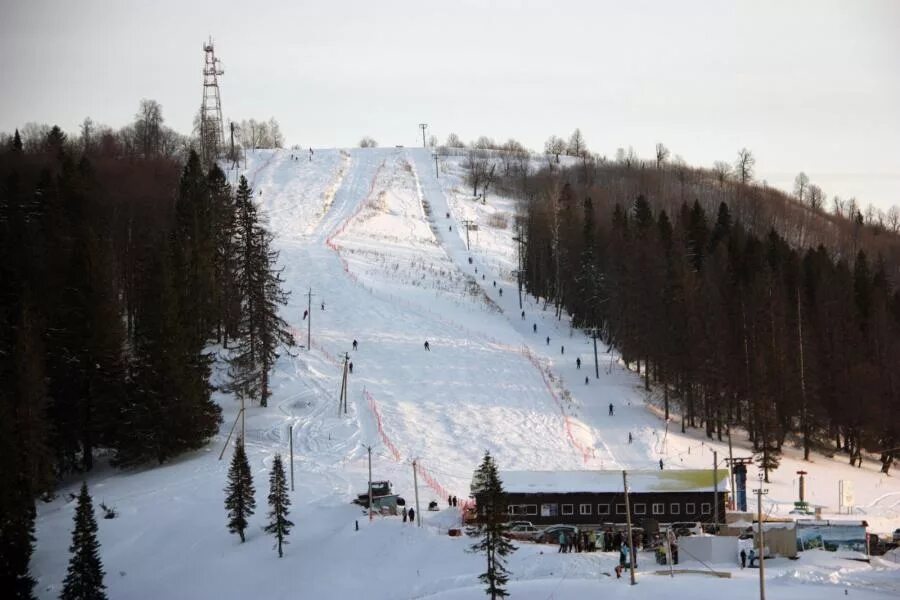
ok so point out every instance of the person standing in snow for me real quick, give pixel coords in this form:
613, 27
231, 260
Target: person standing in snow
548, 340
660, 464
455, 501
630, 439
562, 349
577, 363
610, 409
412, 514
501, 291
427, 347
354, 344
449, 500
534, 327
562, 541
351, 368
523, 315
404, 515
586, 380
743, 558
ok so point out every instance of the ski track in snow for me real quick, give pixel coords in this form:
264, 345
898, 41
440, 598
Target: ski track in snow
366, 231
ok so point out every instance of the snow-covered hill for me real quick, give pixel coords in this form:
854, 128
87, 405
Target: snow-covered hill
367, 233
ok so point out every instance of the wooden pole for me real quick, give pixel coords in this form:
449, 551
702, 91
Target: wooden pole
369, 448
228, 439
760, 492
309, 320
628, 521
596, 362
715, 492
416, 485
291, 438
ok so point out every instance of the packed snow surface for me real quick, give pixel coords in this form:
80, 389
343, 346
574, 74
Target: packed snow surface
373, 242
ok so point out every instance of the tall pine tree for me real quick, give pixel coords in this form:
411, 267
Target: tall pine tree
261, 331
279, 504
239, 501
488, 491
84, 579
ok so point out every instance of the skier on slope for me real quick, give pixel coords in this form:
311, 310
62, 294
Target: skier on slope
610, 409
578, 363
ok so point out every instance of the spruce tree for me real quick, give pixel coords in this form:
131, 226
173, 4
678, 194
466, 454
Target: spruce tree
488, 491
239, 501
279, 503
84, 579
261, 330
17, 142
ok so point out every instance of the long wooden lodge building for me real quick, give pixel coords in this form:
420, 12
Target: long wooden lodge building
598, 497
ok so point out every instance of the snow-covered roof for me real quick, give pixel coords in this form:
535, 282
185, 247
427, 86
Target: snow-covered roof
566, 482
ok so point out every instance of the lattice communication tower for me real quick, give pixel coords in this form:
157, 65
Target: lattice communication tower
212, 138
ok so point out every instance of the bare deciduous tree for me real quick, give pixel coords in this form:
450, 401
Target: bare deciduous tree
722, 170
662, 153
815, 197
743, 166
453, 141
577, 146
555, 145
368, 142
801, 184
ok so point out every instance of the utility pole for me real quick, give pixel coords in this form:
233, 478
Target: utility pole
437, 175
730, 468
342, 397
309, 296
519, 241
715, 492
596, 362
628, 521
760, 492
369, 448
423, 127
416, 485
291, 438
467, 223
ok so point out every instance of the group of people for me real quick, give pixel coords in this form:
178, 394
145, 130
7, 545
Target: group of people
752, 556
592, 541
452, 501
409, 515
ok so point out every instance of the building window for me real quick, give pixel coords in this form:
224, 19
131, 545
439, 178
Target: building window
675, 508
640, 509
568, 509
514, 509
705, 508
549, 510
690, 508
584, 509
620, 509
603, 509
530, 509
659, 508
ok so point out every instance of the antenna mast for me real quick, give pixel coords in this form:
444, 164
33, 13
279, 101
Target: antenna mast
212, 138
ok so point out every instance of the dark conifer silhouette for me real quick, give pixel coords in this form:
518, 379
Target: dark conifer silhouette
279, 505
239, 500
488, 491
84, 579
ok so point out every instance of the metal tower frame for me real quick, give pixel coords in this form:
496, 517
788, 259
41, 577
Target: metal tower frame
212, 137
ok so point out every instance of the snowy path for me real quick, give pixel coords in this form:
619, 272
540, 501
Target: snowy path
351, 227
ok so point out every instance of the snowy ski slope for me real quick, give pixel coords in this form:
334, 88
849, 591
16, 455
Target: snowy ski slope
367, 232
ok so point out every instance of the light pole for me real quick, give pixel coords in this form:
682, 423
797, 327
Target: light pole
760, 492
423, 127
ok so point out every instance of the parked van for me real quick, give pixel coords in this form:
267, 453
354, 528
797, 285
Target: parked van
682, 528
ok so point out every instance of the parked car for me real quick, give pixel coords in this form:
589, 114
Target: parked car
512, 524
687, 528
896, 537
522, 532
550, 535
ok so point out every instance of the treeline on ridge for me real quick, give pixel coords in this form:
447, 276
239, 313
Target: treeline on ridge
746, 308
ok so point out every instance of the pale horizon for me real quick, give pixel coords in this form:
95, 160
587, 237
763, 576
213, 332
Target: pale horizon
809, 86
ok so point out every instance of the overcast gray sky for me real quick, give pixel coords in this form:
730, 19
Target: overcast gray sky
811, 85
